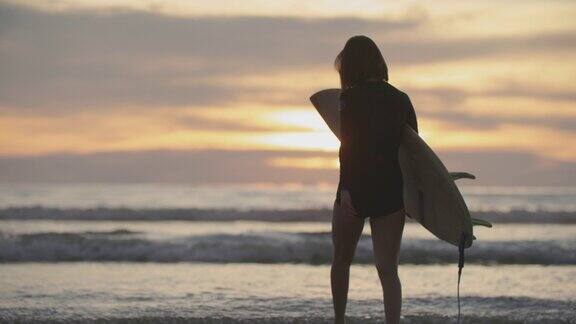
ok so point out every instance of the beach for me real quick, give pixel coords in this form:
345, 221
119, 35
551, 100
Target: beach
178, 161
261, 254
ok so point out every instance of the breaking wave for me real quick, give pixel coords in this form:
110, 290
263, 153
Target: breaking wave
261, 247
300, 215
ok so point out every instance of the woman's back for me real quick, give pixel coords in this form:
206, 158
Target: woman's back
373, 115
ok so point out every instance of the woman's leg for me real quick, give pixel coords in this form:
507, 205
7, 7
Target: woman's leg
346, 231
386, 238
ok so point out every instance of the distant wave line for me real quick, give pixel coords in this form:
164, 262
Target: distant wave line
298, 215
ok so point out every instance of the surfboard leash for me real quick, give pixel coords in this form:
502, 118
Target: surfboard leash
460, 266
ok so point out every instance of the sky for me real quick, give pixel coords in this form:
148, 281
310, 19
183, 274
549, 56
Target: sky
217, 91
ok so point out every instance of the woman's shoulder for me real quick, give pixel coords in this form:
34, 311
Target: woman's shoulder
378, 89
392, 90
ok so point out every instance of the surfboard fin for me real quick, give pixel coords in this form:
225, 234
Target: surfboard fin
461, 175
480, 222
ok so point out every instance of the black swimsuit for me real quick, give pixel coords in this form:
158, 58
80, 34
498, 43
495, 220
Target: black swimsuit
372, 119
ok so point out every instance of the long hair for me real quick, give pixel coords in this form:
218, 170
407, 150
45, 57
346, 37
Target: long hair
359, 61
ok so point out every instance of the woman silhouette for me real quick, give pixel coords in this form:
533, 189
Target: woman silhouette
372, 116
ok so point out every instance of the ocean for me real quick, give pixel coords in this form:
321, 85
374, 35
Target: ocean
148, 253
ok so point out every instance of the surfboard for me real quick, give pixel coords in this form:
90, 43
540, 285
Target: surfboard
431, 196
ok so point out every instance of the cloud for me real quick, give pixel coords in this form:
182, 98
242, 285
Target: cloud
450, 104
500, 88
509, 89
70, 59
253, 166
201, 166
442, 50
95, 61
464, 120
196, 122
510, 168
92, 59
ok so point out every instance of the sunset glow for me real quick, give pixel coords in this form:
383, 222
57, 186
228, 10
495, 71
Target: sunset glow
305, 163
484, 77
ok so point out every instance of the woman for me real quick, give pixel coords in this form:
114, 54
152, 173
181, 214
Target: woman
372, 116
